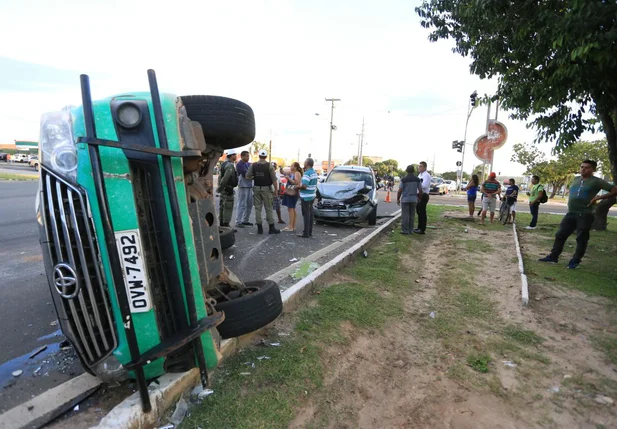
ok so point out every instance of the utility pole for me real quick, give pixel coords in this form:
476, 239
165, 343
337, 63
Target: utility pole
358, 152
472, 105
332, 127
270, 148
361, 144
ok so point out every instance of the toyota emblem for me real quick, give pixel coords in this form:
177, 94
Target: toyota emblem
65, 281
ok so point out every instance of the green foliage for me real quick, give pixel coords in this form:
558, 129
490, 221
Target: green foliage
257, 146
366, 161
479, 362
556, 62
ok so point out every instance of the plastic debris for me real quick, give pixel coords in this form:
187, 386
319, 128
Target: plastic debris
284, 334
466, 230
169, 426
205, 393
17, 373
365, 254
76, 408
180, 412
554, 389
275, 344
245, 373
432, 315
251, 364
38, 351
293, 260
54, 323
37, 371
565, 377
332, 235
231, 257
509, 363
263, 357
603, 400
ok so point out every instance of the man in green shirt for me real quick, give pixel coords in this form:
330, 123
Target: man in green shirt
535, 196
583, 194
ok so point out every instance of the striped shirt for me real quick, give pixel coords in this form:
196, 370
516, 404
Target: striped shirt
310, 180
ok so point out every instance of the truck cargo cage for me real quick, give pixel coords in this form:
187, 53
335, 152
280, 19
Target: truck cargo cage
186, 332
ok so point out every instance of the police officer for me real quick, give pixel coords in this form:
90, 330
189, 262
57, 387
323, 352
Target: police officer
266, 186
227, 183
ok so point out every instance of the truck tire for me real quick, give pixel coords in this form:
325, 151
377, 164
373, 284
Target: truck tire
227, 123
227, 236
251, 312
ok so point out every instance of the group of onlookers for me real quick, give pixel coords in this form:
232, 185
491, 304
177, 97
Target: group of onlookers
263, 186
579, 218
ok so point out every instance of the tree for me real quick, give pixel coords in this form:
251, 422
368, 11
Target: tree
555, 61
366, 161
450, 175
257, 146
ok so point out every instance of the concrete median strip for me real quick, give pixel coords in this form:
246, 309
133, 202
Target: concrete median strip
168, 388
49, 405
521, 268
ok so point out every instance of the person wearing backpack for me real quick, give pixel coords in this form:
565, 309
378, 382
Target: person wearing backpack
537, 195
583, 194
229, 180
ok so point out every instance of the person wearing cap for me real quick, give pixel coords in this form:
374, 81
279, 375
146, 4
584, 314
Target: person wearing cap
491, 188
227, 183
245, 197
264, 189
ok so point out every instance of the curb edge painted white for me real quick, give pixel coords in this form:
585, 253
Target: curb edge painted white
129, 415
521, 268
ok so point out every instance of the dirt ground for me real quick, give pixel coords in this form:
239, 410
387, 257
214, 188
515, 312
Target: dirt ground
415, 374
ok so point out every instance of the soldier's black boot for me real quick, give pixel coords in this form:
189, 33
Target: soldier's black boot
260, 229
273, 230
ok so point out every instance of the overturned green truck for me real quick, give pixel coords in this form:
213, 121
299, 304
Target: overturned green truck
130, 235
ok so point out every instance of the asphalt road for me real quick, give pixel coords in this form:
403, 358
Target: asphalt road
17, 168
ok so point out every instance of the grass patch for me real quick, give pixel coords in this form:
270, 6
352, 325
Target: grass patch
608, 345
522, 336
479, 362
10, 176
596, 274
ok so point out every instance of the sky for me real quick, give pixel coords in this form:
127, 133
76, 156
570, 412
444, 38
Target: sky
282, 57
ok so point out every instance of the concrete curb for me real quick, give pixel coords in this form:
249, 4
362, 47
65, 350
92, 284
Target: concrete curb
129, 415
521, 268
50, 404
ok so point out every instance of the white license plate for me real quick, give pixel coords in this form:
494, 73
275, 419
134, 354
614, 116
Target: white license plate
135, 277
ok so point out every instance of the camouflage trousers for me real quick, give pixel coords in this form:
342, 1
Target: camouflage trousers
226, 208
262, 198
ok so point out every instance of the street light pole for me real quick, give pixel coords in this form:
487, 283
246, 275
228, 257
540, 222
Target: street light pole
472, 105
332, 100
361, 145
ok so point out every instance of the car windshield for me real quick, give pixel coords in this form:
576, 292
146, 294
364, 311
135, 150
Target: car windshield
350, 176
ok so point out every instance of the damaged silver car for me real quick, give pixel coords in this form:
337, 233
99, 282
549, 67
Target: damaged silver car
347, 196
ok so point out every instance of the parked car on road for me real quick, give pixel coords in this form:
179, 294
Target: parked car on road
4, 157
464, 184
32, 159
451, 185
19, 157
438, 186
347, 196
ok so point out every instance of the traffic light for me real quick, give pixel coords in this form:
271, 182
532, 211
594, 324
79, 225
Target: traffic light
474, 98
458, 145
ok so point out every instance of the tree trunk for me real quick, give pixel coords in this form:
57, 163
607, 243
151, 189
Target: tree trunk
609, 119
553, 192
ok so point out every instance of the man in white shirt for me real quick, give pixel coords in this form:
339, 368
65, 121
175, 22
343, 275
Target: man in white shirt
425, 179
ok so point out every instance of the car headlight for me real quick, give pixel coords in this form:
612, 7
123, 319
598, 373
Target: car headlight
57, 144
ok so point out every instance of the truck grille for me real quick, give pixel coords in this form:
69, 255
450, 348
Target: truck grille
72, 242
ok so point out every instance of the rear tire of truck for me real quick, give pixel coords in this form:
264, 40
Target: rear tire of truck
227, 236
227, 123
251, 312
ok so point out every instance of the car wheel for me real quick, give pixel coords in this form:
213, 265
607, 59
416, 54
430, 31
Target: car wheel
251, 312
372, 217
227, 237
226, 123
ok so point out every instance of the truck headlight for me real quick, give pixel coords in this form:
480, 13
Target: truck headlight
57, 143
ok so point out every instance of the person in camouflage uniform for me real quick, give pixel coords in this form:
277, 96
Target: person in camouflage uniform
228, 181
264, 189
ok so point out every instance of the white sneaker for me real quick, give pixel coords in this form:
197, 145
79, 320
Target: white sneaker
530, 227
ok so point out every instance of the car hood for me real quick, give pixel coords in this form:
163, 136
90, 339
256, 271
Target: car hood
340, 190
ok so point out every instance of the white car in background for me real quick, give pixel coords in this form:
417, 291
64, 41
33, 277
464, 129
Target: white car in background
451, 185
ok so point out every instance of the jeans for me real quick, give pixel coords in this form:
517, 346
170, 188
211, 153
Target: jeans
307, 217
408, 214
534, 209
421, 211
245, 205
581, 223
